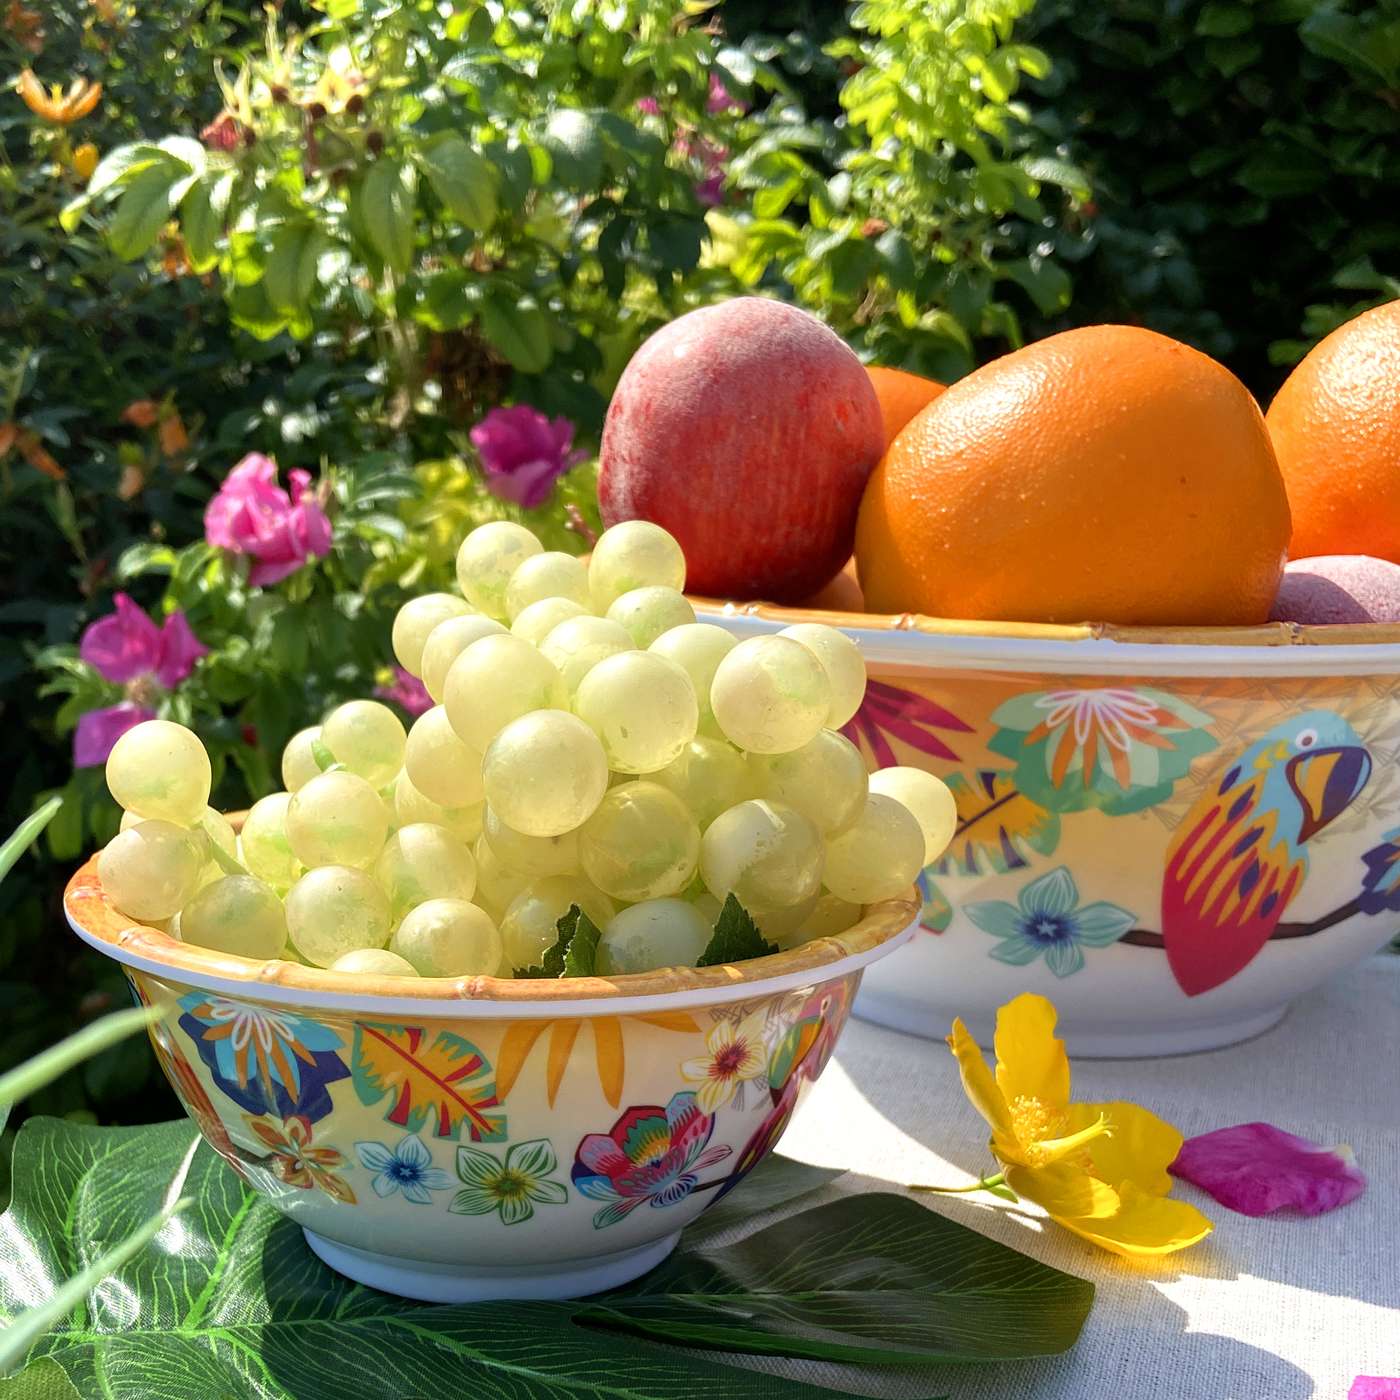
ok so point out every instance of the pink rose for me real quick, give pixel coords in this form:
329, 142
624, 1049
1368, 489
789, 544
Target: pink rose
524, 453
407, 692
253, 515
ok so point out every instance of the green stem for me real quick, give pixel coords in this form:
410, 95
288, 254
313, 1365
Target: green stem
987, 1183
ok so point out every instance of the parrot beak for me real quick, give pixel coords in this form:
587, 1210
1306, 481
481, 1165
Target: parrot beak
1326, 782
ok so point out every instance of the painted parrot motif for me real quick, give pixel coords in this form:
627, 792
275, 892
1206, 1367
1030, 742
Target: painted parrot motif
1381, 890
1239, 856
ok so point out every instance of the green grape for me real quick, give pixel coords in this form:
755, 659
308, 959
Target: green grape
545, 773
446, 642
530, 924
633, 554
368, 738
765, 853
825, 780
151, 870
647, 613
236, 914
552, 574
160, 770
532, 856
709, 776
334, 910
830, 915
411, 806
265, 849
706, 905
487, 559
496, 680
448, 938
375, 962
781, 926
496, 882
655, 933
439, 764
299, 764
840, 658
538, 620
928, 798
336, 819
579, 644
697, 648
422, 862
640, 844
770, 695
878, 856
642, 707
414, 622
213, 824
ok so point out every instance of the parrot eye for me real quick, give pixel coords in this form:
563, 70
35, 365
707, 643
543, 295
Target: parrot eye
1307, 739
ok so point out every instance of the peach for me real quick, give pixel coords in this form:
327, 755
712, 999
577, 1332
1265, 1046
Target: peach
748, 430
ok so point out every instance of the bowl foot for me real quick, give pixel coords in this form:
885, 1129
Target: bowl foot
480, 1283
1103, 1041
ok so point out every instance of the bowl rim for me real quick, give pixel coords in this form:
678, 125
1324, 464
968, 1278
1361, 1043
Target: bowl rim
92, 916
915, 640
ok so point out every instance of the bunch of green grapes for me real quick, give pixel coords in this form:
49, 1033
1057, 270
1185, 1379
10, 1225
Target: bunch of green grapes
592, 745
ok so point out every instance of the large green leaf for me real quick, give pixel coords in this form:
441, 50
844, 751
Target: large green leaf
463, 180
202, 213
870, 1278
290, 272
145, 206
387, 200
230, 1302
518, 329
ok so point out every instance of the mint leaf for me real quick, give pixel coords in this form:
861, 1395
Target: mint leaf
736, 937
574, 953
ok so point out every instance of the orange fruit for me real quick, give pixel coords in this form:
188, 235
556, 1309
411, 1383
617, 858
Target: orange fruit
901, 396
1336, 430
1105, 474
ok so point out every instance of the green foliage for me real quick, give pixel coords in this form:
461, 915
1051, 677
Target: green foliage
1243, 157
736, 937
574, 953
873, 1279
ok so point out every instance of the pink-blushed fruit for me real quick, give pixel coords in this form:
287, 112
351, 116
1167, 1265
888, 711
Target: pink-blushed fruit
1333, 588
748, 430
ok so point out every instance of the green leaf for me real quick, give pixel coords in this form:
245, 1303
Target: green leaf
464, 182
875, 1279
518, 329
387, 202
121, 164
242, 1310
1047, 283
26, 833
736, 937
43, 1379
289, 275
574, 141
1221, 20
1050, 170
145, 207
774, 1182
202, 213
575, 951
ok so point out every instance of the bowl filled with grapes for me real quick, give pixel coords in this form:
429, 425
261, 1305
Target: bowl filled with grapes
494, 1005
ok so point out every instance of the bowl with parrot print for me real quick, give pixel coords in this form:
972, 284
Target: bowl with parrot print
461, 1139
1172, 833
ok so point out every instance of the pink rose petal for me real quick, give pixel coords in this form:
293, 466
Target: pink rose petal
1256, 1169
407, 692
523, 453
179, 650
123, 645
1375, 1388
253, 515
99, 730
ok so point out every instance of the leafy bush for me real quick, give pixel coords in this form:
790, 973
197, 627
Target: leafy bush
1243, 158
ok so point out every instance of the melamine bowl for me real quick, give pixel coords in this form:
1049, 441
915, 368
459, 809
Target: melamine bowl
456, 1140
1170, 833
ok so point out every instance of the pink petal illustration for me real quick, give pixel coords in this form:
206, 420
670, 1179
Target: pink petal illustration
1375, 1388
1256, 1169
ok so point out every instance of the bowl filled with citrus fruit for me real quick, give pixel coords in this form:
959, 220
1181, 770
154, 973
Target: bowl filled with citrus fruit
1168, 747
493, 1006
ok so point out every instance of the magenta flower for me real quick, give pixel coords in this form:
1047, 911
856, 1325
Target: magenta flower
407, 692
253, 515
721, 99
1256, 1169
524, 453
1375, 1388
128, 649
649, 105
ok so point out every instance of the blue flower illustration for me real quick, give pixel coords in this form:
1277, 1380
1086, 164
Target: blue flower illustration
1046, 920
408, 1168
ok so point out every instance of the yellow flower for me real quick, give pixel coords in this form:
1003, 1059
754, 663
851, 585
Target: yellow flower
1099, 1169
55, 105
85, 160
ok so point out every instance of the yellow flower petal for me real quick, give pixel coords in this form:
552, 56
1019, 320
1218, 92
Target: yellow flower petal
979, 1085
1144, 1226
1031, 1063
1138, 1147
1064, 1190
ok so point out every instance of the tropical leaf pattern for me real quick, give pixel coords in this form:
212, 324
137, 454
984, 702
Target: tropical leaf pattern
936, 912
999, 827
1115, 749
428, 1077
888, 713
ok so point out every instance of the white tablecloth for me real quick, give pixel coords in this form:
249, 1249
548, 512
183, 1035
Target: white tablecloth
1266, 1309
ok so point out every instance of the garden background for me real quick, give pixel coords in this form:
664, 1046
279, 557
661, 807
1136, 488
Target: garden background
341, 234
